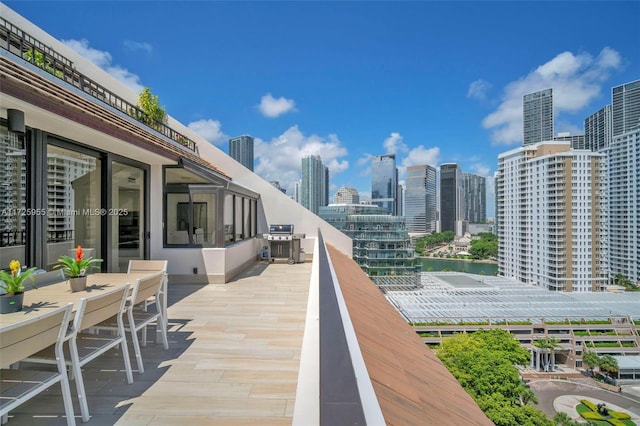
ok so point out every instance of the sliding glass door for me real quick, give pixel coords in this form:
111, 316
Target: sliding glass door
127, 215
74, 201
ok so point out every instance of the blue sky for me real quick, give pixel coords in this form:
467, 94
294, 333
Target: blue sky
431, 81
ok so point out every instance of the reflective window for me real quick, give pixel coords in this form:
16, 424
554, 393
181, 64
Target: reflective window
229, 233
74, 194
127, 214
204, 218
13, 197
238, 228
205, 214
178, 220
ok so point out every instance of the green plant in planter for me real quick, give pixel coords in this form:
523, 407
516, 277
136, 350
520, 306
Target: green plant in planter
149, 103
37, 58
12, 282
78, 267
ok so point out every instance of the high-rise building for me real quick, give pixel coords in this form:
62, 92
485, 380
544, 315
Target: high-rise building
241, 150
537, 117
577, 141
297, 196
384, 183
314, 190
452, 199
549, 212
623, 183
625, 108
597, 129
623, 205
13, 197
346, 195
420, 199
475, 198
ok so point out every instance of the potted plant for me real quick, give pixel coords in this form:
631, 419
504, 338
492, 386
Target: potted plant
12, 284
76, 269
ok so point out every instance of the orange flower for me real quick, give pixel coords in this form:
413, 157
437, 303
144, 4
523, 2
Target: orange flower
79, 254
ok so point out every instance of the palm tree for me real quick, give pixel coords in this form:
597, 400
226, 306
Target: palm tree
590, 359
608, 363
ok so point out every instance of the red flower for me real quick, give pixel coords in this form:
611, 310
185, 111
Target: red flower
79, 254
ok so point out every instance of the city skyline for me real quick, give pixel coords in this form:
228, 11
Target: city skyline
379, 78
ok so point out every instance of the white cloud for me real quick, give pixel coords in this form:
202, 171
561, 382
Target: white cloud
281, 158
420, 155
478, 89
272, 107
135, 46
209, 129
481, 169
364, 160
103, 60
576, 80
395, 144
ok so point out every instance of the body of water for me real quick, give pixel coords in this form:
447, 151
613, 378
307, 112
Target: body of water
429, 264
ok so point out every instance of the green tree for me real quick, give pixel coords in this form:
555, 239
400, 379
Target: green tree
608, 363
625, 282
485, 247
433, 240
483, 363
591, 360
154, 114
563, 419
502, 413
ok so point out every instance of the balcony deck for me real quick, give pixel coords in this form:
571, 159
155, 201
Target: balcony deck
233, 359
235, 355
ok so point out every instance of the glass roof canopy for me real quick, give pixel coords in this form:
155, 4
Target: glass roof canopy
457, 297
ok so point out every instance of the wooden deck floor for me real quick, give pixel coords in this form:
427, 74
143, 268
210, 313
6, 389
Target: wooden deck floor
233, 359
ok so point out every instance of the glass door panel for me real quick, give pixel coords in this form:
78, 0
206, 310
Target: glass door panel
13, 198
74, 215
127, 215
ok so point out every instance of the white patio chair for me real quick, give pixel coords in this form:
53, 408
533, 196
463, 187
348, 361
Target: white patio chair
144, 265
22, 339
140, 313
85, 347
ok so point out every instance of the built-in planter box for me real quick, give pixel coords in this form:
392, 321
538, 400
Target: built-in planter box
222, 264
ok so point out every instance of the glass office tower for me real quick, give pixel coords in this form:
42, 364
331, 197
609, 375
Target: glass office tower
451, 199
475, 198
420, 199
314, 190
384, 183
241, 150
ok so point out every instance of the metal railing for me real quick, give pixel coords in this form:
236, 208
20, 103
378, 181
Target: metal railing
28, 48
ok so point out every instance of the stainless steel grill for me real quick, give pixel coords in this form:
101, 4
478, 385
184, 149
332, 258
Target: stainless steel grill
284, 244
